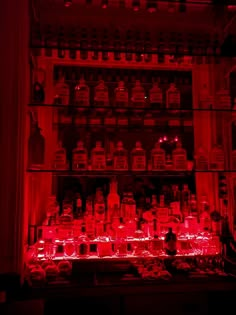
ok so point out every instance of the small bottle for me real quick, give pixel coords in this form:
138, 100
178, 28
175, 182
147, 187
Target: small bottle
38, 93
130, 207
170, 243
79, 157
162, 211
98, 157
99, 205
60, 161
82, 93
90, 222
173, 98
179, 157
139, 243
156, 245
215, 222
120, 157
113, 198
120, 243
217, 159
78, 211
205, 220
69, 246
104, 245
121, 96
36, 148
158, 157
83, 244
138, 95
156, 96
201, 160
101, 97
62, 91
138, 157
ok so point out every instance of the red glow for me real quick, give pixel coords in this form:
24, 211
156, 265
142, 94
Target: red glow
67, 3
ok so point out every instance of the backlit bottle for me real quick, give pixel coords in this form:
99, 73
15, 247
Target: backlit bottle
138, 95
156, 96
170, 243
120, 243
83, 244
101, 97
104, 245
82, 93
158, 157
99, 206
121, 96
61, 91
113, 198
120, 157
98, 157
59, 160
179, 157
79, 157
173, 98
138, 158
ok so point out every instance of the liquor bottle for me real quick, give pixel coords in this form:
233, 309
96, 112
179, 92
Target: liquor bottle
158, 157
138, 95
38, 93
99, 206
78, 211
173, 98
59, 160
170, 243
98, 157
83, 244
156, 244
175, 202
179, 157
101, 98
162, 211
156, 96
89, 219
130, 207
62, 91
104, 245
217, 159
201, 160
193, 206
113, 199
138, 157
79, 157
69, 245
121, 96
36, 147
109, 149
139, 244
205, 220
120, 243
154, 206
82, 93
215, 222
120, 157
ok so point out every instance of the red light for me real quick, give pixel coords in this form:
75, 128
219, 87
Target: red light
231, 7
67, 3
104, 4
165, 138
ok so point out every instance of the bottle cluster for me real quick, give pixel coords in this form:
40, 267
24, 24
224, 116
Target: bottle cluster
125, 226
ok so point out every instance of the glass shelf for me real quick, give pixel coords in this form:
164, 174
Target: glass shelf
125, 173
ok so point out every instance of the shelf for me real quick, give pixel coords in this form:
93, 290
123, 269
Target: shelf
125, 173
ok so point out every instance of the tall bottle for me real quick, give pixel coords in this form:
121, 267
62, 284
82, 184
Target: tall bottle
162, 211
61, 91
120, 243
156, 96
201, 160
179, 157
120, 157
98, 157
113, 198
170, 243
158, 157
99, 206
121, 96
217, 159
79, 157
36, 147
104, 246
156, 245
138, 158
138, 95
59, 160
82, 93
83, 243
101, 97
173, 98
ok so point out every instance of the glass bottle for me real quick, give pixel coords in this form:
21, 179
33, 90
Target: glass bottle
170, 243
38, 93
79, 157
82, 93
69, 246
179, 157
156, 244
156, 96
158, 157
98, 157
162, 211
130, 207
120, 243
104, 245
99, 205
89, 219
121, 96
138, 95
173, 98
139, 242
101, 97
62, 91
78, 211
215, 222
205, 220
120, 157
113, 198
59, 160
201, 160
83, 244
138, 157
36, 148
217, 159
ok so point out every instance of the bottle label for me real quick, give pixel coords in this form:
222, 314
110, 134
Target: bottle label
63, 93
139, 162
101, 96
156, 97
174, 99
120, 161
180, 161
202, 162
80, 160
122, 97
158, 161
82, 97
138, 97
98, 161
60, 158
